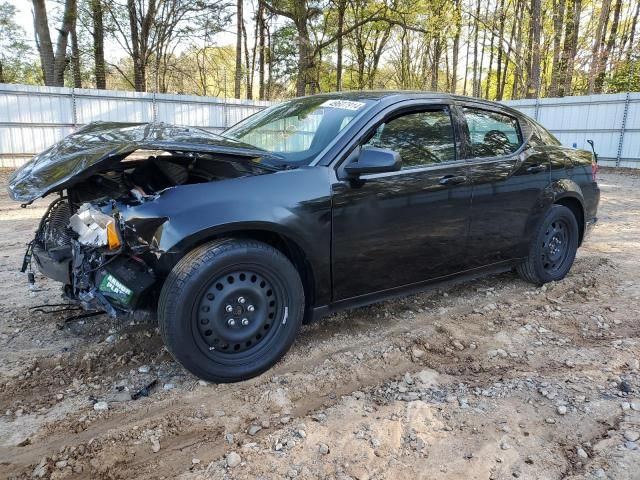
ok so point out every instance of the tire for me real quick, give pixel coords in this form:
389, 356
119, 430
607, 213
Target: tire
553, 248
230, 309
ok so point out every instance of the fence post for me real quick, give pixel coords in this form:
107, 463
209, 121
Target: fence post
154, 108
74, 111
623, 127
225, 107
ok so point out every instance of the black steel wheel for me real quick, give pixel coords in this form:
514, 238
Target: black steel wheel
555, 245
229, 310
553, 248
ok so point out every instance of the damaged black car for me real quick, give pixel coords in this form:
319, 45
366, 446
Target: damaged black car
233, 241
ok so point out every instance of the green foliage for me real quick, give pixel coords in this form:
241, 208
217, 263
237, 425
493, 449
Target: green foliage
16, 60
625, 77
284, 55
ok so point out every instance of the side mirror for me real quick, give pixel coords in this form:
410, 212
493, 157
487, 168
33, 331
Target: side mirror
374, 160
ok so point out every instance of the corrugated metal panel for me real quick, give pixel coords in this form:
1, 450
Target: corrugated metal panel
33, 118
574, 120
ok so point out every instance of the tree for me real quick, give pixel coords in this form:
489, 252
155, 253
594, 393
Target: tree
13, 47
572, 29
302, 13
53, 64
151, 30
97, 18
558, 18
238, 71
598, 42
533, 81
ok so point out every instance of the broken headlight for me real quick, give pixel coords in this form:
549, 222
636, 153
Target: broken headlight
95, 229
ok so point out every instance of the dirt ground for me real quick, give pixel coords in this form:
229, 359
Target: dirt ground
491, 379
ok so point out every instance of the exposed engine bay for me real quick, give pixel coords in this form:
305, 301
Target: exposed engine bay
83, 241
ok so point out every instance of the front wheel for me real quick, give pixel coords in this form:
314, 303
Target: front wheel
553, 248
231, 309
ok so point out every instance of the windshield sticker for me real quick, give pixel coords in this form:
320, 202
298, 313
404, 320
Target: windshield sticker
344, 104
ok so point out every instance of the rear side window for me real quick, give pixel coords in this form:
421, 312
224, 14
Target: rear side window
492, 134
421, 138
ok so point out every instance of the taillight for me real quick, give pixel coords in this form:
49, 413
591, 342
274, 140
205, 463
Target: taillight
594, 170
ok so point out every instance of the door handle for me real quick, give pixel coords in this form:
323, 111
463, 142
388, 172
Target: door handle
453, 179
537, 169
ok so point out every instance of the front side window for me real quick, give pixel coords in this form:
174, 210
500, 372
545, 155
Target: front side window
492, 134
297, 130
421, 138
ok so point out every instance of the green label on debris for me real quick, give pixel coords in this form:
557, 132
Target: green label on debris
113, 288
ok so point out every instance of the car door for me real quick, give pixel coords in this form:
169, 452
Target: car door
398, 228
509, 175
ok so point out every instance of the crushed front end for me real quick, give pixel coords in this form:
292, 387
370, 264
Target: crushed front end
82, 246
102, 173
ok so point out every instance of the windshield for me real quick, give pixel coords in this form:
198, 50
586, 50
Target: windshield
297, 130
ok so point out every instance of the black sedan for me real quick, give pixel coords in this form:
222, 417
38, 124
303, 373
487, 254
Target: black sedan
310, 206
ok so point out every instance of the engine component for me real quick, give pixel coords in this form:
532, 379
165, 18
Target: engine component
52, 232
95, 228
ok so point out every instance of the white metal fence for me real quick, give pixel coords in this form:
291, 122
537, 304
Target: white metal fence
33, 118
611, 121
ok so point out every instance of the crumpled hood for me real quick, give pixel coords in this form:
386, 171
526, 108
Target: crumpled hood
99, 145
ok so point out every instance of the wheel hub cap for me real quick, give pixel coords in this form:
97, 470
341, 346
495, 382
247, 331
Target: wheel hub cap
555, 245
236, 311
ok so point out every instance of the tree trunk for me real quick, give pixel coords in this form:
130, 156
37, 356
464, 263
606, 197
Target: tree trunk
261, 51
491, 45
53, 64
633, 32
437, 51
500, 52
606, 53
269, 61
249, 67
304, 60
1, 73
466, 63
43, 40
598, 41
137, 48
475, 51
571, 44
238, 73
75, 58
558, 18
517, 74
98, 43
533, 82
456, 45
342, 6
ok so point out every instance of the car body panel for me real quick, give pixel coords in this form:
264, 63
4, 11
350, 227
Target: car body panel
101, 144
406, 216
295, 204
363, 239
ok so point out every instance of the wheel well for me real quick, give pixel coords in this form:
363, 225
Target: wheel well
292, 251
575, 206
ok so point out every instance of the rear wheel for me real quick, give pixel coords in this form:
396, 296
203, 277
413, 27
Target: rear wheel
553, 249
231, 309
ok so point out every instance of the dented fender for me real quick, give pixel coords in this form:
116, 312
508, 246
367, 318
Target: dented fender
180, 218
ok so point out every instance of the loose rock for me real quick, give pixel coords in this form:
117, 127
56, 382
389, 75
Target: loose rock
233, 460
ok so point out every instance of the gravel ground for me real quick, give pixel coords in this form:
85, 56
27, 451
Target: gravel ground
491, 379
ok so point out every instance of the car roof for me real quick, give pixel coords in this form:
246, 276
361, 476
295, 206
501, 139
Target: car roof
400, 95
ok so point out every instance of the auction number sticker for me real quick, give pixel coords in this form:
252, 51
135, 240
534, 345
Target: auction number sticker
344, 104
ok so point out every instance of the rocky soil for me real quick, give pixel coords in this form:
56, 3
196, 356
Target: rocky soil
491, 379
